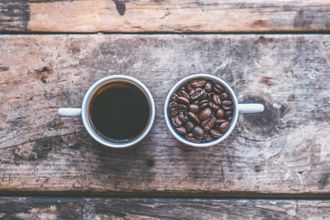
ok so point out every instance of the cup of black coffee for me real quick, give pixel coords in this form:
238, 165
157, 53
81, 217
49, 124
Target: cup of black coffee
201, 110
117, 111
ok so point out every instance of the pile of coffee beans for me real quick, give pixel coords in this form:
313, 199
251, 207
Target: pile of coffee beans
201, 110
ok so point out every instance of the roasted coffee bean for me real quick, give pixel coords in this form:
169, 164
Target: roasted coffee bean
205, 95
197, 83
228, 114
214, 106
224, 126
183, 100
181, 130
189, 126
210, 96
220, 121
201, 110
183, 94
173, 109
218, 88
193, 117
183, 117
204, 114
173, 112
196, 93
176, 122
198, 132
209, 123
216, 99
182, 108
204, 103
227, 107
174, 97
215, 133
189, 88
220, 113
208, 87
203, 123
224, 96
227, 103
172, 104
194, 108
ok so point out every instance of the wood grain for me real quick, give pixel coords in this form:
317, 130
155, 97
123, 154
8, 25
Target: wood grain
14, 15
284, 150
166, 16
102, 208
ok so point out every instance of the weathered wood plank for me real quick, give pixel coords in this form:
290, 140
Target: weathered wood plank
14, 15
283, 150
180, 16
167, 16
102, 208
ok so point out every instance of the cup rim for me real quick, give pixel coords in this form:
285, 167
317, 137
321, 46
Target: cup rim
204, 76
89, 95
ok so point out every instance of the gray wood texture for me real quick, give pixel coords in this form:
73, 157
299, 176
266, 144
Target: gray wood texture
284, 150
164, 16
101, 208
14, 15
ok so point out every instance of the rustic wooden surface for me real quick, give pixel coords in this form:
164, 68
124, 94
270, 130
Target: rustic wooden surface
281, 154
164, 16
101, 208
14, 15
284, 150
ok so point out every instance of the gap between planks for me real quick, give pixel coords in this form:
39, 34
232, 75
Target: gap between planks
164, 195
14, 33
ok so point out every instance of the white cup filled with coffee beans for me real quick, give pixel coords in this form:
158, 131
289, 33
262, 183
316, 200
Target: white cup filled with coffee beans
202, 110
118, 111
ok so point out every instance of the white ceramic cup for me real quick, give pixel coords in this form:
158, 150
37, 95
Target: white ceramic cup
83, 111
238, 108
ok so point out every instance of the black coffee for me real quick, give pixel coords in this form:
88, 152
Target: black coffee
119, 111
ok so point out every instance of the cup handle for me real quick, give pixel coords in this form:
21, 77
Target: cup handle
69, 112
251, 108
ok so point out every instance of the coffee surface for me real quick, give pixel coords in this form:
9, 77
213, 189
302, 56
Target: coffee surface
119, 112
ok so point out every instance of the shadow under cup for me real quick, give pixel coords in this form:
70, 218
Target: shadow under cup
120, 112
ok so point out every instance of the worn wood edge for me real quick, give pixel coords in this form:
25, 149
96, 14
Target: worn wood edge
181, 16
14, 15
142, 208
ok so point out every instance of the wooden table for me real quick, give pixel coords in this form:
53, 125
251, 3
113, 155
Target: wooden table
275, 165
